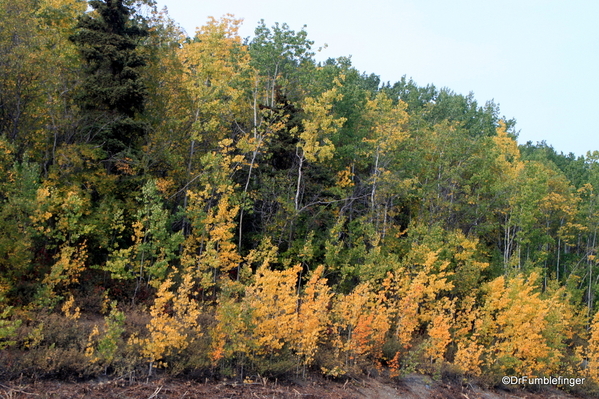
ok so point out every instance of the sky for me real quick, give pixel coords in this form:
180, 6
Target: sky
537, 59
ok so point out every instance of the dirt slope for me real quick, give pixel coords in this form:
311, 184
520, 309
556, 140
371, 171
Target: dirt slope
411, 387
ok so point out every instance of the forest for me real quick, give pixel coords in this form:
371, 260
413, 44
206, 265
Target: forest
226, 207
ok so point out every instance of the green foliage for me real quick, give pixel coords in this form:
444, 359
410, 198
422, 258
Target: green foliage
154, 244
17, 235
277, 55
107, 41
18, 70
103, 347
267, 214
7, 328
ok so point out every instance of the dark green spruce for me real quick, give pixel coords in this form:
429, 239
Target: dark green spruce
112, 94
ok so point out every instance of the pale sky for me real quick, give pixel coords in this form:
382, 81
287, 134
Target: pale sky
537, 59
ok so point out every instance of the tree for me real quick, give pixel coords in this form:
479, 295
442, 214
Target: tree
153, 247
216, 79
112, 92
312, 317
17, 234
315, 144
592, 350
18, 71
514, 327
209, 247
278, 55
170, 331
387, 132
273, 301
361, 321
35, 108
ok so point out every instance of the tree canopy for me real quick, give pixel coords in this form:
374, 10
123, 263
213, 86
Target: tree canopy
205, 204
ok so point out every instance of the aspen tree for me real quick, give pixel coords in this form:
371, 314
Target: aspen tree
217, 75
315, 144
233, 335
362, 320
513, 328
102, 347
210, 247
387, 132
154, 245
312, 316
468, 357
217, 80
521, 192
174, 324
273, 301
60, 217
592, 352
69, 309
439, 331
279, 56
417, 293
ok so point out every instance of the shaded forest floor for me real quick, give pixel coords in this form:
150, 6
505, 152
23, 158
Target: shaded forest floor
410, 387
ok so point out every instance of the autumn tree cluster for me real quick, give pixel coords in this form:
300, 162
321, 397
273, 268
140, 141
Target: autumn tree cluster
225, 206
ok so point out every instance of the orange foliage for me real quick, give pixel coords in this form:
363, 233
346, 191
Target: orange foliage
361, 320
312, 317
439, 331
417, 296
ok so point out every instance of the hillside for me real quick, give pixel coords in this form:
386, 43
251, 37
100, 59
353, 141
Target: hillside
223, 208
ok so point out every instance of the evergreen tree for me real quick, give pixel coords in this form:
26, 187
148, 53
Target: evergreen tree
112, 93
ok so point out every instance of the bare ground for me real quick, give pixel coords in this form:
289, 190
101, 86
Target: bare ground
411, 387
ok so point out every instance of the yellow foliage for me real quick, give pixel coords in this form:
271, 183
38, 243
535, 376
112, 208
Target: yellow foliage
69, 312
439, 331
508, 147
231, 335
174, 324
319, 125
210, 249
592, 351
124, 166
312, 317
388, 123
165, 186
102, 347
345, 178
468, 357
216, 72
220, 253
70, 262
35, 337
89, 349
265, 254
417, 301
361, 320
59, 216
272, 316
513, 326
273, 301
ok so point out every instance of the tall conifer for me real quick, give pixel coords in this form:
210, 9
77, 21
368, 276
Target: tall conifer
112, 94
